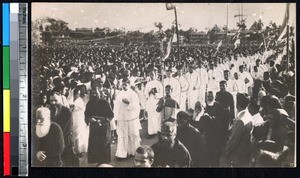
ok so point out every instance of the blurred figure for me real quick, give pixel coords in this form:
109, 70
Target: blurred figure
80, 129
184, 88
63, 117
194, 86
216, 111
192, 139
238, 148
153, 92
169, 151
167, 106
143, 157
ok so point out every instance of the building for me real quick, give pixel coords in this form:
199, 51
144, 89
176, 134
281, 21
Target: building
198, 38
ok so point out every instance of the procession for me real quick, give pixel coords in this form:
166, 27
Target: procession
167, 104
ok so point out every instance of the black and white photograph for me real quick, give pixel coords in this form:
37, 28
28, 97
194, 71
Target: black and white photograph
163, 85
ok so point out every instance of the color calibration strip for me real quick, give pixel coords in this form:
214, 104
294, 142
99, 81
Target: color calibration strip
14, 88
23, 90
6, 88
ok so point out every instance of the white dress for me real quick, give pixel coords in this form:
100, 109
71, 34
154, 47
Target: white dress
128, 123
80, 128
151, 104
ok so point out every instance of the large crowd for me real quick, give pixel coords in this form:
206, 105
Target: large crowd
225, 107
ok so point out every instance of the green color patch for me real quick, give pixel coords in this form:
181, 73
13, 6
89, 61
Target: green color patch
6, 68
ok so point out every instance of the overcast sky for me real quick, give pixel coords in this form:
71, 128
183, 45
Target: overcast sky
142, 16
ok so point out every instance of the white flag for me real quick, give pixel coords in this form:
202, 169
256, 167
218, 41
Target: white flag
237, 43
219, 45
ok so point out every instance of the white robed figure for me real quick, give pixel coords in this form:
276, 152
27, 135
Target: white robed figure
153, 92
80, 129
203, 76
194, 81
126, 111
184, 88
169, 80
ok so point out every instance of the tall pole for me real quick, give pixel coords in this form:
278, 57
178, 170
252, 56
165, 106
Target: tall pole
177, 35
287, 38
226, 25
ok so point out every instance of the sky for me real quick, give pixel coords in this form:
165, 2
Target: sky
142, 16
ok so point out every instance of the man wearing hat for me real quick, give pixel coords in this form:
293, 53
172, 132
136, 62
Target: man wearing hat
169, 151
192, 139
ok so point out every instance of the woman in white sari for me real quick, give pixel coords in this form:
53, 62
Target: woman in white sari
80, 129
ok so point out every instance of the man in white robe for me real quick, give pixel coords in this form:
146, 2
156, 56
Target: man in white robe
169, 80
153, 92
194, 81
184, 88
203, 76
240, 84
80, 129
127, 110
246, 77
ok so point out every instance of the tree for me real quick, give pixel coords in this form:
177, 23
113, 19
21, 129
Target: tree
56, 25
242, 24
211, 33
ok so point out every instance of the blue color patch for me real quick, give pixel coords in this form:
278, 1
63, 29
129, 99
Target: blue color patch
5, 23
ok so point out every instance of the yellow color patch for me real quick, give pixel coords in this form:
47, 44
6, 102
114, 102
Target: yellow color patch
6, 110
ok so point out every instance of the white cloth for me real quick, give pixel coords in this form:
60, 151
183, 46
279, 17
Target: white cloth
245, 75
80, 129
241, 86
257, 75
214, 74
203, 82
152, 100
128, 124
231, 86
257, 119
184, 88
194, 86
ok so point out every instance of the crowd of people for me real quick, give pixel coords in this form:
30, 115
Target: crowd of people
227, 107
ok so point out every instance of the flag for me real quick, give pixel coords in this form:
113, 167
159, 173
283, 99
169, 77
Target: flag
168, 50
237, 43
219, 45
170, 6
174, 38
284, 23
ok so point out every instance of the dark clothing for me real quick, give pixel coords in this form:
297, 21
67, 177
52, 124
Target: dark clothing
194, 141
53, 145
267, 85
226, 99
179, 156
238, 149
216, 112
99, 137
65, 121
166, 106
206, 128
